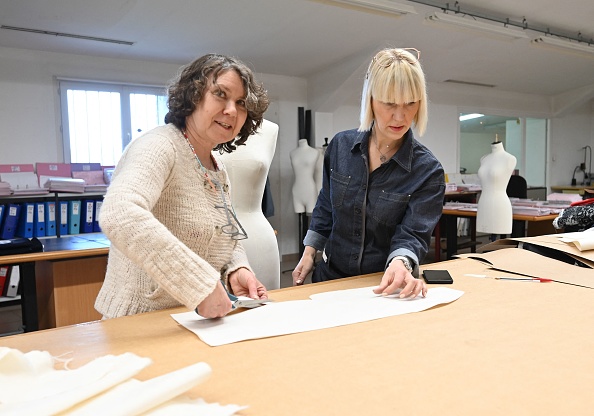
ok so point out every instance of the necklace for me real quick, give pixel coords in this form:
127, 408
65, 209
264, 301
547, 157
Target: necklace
235, 231
202, 168
383, 156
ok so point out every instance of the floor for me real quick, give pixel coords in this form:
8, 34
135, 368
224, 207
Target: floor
11, 320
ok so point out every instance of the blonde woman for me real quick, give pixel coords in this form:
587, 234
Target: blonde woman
382, 191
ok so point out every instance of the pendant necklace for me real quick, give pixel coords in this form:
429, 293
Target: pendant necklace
382, 157
202, 168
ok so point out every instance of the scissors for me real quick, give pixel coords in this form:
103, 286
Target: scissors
244, 303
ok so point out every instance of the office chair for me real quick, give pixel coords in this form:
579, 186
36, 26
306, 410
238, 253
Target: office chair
517, 188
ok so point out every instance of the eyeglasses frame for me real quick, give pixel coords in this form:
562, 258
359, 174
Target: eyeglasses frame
235, 233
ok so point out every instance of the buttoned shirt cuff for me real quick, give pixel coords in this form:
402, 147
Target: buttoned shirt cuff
315, 240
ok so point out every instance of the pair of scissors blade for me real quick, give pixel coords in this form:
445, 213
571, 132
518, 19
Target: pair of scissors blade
249, 303
244, 303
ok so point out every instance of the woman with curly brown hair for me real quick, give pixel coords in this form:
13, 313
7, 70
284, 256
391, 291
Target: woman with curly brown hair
175, 239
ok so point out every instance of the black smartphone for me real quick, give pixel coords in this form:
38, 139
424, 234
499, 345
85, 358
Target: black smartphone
441, 277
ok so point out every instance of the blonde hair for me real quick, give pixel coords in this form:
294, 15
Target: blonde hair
394, 76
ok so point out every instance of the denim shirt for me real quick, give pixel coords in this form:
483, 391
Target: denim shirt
362, 220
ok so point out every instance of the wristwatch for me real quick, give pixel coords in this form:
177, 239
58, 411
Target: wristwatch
407, 263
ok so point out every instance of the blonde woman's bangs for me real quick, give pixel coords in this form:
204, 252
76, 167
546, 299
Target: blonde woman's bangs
397, 86
394, 76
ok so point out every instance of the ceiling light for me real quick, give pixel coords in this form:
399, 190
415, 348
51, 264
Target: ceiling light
67, 35
465, 117
386, 6
581, 47
471, 23
478, 84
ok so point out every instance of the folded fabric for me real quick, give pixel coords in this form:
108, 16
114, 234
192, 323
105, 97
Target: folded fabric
31, 386
579, 217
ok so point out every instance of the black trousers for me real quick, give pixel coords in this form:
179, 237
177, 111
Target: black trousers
324, 271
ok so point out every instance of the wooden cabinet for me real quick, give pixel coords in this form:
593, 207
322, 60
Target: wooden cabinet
66, 290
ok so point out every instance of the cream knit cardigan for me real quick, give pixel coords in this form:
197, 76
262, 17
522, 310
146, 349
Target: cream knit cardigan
167, 248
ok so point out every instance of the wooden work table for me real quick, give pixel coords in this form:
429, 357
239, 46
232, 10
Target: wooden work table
503, 348
61, 248
571, 189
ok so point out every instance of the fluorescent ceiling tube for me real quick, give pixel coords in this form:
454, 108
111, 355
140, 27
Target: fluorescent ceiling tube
67, 35
387, 6
465, 117
471, 23
581, 47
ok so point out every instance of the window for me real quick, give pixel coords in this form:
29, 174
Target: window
99, 119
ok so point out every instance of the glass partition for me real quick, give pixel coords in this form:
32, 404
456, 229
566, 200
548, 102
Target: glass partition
525, 138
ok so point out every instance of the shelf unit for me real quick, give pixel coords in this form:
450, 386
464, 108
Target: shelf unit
52, 196
6, 301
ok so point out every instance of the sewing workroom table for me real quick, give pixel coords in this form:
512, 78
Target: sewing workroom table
59, 285
503, 348
537, 225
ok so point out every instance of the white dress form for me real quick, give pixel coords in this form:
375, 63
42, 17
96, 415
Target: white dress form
248, 168
319, 170
494, 211
305, 191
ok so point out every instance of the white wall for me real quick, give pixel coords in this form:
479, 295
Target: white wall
476, 145
536, 151
568, 135
30, 117
443, 134
30, 114
514, 143
29, 101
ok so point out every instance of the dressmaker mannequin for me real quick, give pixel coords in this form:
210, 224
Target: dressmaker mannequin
248, 168
305, 191
494, 213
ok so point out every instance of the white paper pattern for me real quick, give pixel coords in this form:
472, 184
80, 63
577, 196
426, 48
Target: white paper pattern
324, 310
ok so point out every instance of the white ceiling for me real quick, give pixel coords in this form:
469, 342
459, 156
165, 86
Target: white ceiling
304, 37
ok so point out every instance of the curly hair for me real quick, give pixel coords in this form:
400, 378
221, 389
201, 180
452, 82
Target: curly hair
188, 89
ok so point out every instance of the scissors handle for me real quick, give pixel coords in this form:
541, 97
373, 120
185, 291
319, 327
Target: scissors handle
232, 297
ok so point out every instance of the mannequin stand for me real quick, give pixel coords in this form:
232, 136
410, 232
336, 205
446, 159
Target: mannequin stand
303, 226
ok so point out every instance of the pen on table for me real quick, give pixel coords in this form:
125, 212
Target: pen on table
526, 279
